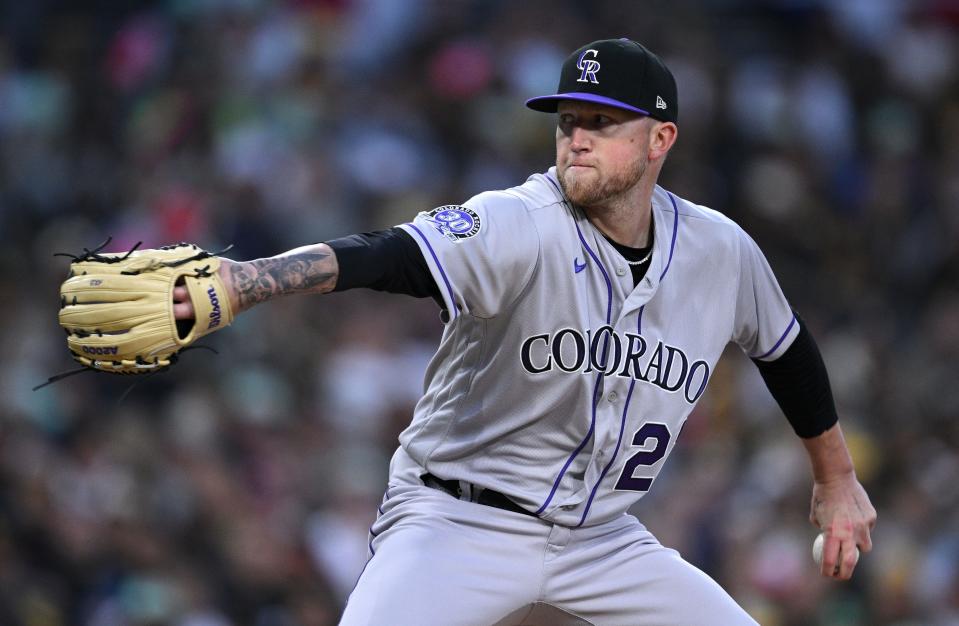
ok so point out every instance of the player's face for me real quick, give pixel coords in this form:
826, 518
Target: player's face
601, 152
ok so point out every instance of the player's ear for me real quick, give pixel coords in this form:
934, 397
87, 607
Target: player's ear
662, 136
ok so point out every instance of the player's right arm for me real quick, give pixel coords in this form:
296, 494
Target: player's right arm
473, 259
308, 269
387, 260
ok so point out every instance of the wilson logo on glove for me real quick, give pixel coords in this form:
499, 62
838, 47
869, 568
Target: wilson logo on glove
215, 313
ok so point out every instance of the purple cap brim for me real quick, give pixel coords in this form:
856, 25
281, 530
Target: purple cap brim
548, 104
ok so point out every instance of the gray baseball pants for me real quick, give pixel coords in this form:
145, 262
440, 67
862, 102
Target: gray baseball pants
446, 562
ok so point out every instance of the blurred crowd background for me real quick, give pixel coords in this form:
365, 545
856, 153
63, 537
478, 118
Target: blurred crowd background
238, 488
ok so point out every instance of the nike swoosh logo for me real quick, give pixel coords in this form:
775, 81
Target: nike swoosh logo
576, 266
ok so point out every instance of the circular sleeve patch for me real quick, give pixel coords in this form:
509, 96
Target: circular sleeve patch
453, 221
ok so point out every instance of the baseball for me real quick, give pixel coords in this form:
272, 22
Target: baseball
817, 549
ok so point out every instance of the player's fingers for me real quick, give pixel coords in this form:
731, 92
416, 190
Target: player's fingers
863, 531
849, 556
830, 565
180, 294
183, 310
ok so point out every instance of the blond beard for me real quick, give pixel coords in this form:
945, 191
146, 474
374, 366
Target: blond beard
598, 193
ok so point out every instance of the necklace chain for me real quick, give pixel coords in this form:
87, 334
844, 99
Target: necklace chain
643, 260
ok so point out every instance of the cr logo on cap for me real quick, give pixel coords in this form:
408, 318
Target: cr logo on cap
589, 67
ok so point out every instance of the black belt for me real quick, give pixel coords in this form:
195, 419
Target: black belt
487, 497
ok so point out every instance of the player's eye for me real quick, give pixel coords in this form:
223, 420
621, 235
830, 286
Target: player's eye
566, 122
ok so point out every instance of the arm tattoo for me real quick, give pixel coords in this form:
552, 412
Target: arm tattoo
301, 272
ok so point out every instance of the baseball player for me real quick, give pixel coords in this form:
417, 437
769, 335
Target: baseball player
584, 314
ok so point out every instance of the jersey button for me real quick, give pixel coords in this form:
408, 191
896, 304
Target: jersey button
620, 271
613, 396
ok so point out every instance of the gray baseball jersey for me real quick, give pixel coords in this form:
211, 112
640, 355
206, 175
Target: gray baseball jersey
557, 381
561, 384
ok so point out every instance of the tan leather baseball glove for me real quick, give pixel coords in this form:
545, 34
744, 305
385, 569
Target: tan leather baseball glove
117, 308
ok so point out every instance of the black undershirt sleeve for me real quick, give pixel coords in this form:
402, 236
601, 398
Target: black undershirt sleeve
385, 260
800, 384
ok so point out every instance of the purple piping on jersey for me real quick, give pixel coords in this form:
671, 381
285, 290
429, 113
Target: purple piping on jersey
609, 284
599, 377
622, 429
781, 339
553, 182
619, 441
446, 280
629, 394
579, 448
672, 244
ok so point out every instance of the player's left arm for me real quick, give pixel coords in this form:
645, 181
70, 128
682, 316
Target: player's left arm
799, 382
784, 350
840, 506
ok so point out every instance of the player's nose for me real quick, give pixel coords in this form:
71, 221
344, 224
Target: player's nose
579, 139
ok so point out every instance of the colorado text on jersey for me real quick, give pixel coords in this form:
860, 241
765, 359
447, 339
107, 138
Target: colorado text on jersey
667, 367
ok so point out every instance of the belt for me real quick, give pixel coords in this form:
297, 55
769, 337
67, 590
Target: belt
479, 495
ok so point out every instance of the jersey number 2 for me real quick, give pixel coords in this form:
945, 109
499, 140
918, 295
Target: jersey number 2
649, 430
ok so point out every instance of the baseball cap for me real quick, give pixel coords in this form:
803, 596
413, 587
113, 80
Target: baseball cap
616, 72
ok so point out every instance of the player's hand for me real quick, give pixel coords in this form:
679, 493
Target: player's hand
842, 510
183, 305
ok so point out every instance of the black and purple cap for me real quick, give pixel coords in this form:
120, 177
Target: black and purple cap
617, 72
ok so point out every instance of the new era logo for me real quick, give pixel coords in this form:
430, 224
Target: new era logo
660, 103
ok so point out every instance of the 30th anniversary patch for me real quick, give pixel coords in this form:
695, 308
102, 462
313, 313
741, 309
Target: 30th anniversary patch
453, 221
